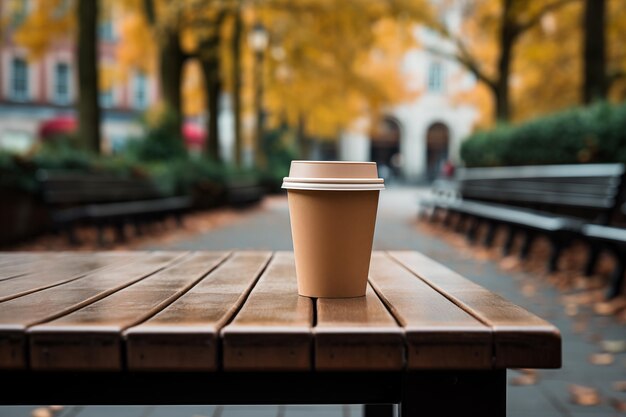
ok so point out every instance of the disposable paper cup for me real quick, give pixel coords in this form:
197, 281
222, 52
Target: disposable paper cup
332, 207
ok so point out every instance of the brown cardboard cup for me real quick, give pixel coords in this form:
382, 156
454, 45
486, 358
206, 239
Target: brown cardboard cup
332, 207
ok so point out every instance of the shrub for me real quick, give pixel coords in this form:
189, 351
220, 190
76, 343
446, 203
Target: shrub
592, 134
162, 141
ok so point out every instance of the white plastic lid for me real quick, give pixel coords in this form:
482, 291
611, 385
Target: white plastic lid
333, 176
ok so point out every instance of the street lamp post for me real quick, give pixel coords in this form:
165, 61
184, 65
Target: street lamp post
258, 40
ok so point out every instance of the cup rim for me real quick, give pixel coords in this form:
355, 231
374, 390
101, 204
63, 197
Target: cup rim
303, 161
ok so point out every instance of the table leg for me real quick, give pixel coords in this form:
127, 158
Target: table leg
378, 410
454, 394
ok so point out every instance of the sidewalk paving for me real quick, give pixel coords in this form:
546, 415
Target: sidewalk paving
549, 397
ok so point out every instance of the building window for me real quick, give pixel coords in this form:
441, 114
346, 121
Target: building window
19, 11
105, 30
19, 79
62, 83
140, 91
106, 99
435, 77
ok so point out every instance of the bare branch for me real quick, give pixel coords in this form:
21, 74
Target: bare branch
521, 27
468, 62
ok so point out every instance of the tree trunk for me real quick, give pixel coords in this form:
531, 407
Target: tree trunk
303, 143
594, 66
501, 87
171, 63
236, 50
212, 84
88, 88
259, 152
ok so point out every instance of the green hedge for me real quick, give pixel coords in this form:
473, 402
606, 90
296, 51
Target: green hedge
593, 134
159, 156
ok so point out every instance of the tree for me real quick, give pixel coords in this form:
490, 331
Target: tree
595, 74
330, 63
171, 59
53, 21
87, 52
497, 27
236, 81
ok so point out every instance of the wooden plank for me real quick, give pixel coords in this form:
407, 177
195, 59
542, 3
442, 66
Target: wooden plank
19, 265
439, 334
272, 331
185, 335
90, 338
19, 313
14, 258
521, 339
357, 334
62, 271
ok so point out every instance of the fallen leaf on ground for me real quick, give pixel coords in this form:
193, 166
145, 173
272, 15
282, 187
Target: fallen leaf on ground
606, 308
619, 386
529, 289
509, 263
571, 310
579, 326
582, 395
601, 358
585, 297
41, 412
527, 377
613, 346
617, 404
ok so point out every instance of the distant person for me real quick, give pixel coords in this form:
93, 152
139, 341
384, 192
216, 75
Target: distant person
448, 169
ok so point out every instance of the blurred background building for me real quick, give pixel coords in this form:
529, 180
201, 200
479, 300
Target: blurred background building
411, 141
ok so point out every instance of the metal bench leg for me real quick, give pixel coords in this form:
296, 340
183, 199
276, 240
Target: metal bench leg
120, 234
447, 218
460, 222
592, 259
508, 244
555, 254
490, 235
378, 410
101, 239
179, 218
71, 235
529, 238
472, 230
617, 277
428, 214
468, 393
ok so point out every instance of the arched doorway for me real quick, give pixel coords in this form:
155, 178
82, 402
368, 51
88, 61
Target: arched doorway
437, 147
385, 147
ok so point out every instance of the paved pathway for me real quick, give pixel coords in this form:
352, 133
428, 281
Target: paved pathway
269, 229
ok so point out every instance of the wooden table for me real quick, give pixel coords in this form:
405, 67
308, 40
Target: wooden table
230, 328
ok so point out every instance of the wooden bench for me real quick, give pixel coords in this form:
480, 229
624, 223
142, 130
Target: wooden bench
104, 200
230, 328
556, 201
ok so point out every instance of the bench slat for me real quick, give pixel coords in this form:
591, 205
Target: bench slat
543, 171
185, 335
272, 331
357, 334
19, 313
71, 268
439, 334
91, 337
521, 339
